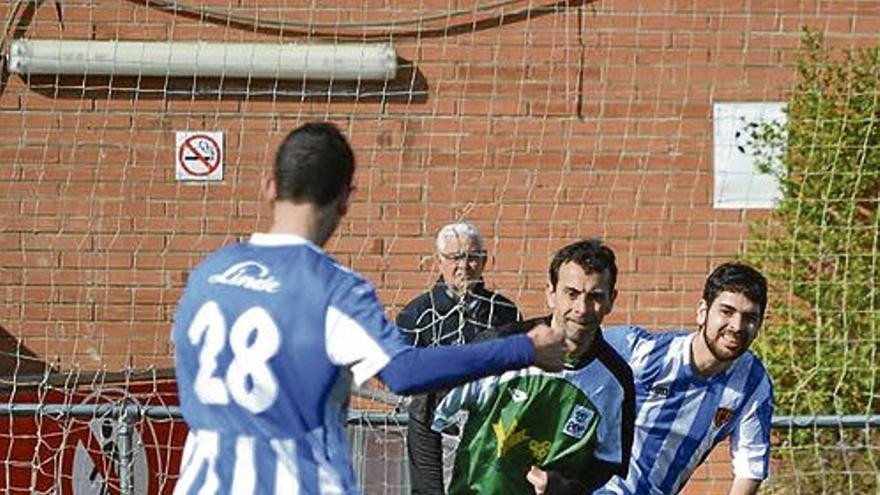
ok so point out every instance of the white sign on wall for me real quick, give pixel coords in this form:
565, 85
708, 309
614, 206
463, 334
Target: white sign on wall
738, 184
199, 156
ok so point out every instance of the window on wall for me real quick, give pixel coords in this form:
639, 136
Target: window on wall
737, 181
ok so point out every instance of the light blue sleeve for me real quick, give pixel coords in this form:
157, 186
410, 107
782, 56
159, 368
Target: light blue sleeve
358, 336
623, 339
750, 439
357, 333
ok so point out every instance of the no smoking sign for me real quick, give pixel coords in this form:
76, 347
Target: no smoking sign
199, 156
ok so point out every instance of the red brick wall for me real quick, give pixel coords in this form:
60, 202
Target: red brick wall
584, 119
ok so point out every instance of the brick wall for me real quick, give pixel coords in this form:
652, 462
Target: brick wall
540, 125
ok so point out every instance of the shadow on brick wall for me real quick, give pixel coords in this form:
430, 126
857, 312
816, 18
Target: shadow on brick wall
16, 360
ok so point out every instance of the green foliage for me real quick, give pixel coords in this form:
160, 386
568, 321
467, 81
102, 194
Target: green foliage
821, 249
833, 462
821, 253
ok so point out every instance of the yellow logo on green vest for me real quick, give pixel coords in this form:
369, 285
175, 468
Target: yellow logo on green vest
507, 438
539, 449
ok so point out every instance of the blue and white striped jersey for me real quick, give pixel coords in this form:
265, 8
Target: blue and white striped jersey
680, 417
269, 335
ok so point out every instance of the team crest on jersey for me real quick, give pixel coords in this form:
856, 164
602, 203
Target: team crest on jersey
722, 416
578, 422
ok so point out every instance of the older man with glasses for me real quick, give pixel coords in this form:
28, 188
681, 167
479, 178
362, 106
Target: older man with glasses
456, 309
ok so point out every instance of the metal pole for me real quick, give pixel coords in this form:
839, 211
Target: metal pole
125, 444
366, 417
89, 410
379, 417
827, 421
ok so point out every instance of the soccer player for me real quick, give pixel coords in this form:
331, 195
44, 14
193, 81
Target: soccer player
571, 429
270, 333
456, 310
694, 389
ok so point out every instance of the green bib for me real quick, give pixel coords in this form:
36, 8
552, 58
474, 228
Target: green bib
531, 419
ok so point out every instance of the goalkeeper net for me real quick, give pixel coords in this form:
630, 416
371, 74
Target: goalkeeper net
643, 123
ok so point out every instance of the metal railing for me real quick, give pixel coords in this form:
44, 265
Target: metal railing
127, 414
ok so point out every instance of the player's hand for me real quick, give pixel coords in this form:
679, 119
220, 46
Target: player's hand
549, 347
538, 478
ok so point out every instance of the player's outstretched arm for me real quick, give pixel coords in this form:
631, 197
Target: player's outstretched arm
416, 370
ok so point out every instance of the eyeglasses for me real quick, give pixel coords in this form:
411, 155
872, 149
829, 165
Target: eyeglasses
464, 256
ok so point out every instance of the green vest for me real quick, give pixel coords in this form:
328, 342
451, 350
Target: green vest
530, 419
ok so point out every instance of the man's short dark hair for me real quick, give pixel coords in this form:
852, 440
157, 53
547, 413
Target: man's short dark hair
590, 254
314, 164
738, 278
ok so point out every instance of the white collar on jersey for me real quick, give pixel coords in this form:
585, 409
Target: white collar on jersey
262, 239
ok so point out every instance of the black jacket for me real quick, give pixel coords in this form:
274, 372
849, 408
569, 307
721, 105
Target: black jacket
438, 317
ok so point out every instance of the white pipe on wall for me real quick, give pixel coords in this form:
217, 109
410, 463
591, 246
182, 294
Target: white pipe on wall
347, 62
